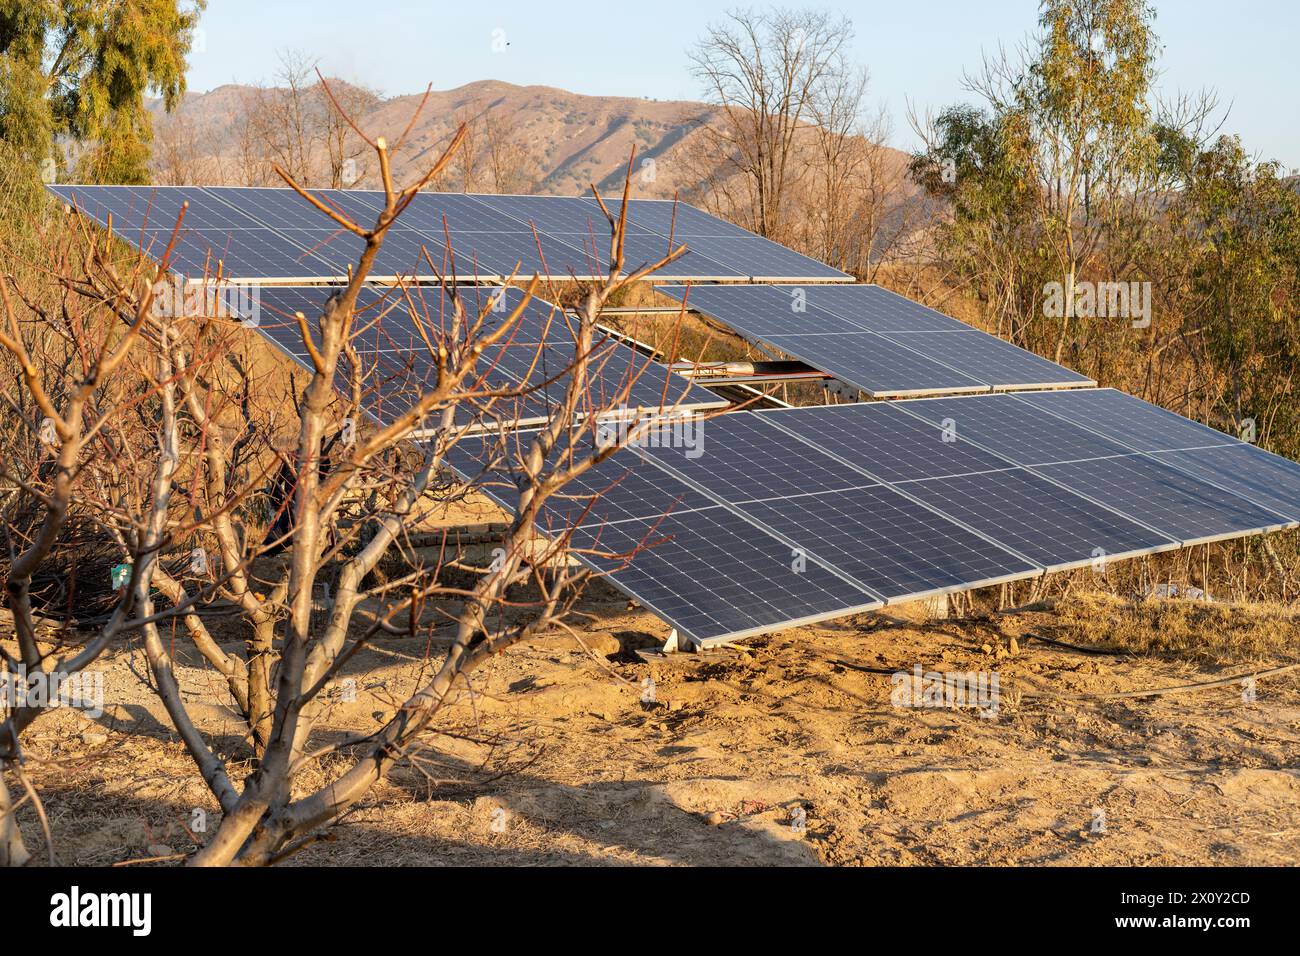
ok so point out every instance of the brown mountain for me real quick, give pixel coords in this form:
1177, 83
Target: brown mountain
560, 141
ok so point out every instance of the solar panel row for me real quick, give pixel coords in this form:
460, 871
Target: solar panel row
264, 233
397, 365
830, 510
876, 340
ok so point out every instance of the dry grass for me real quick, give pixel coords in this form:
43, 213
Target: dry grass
1191, 630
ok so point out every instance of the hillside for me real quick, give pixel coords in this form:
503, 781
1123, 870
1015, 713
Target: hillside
566, 140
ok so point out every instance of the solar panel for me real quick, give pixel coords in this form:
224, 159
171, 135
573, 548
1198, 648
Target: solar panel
703, 567
760, 259
1174, 503
553, 214
400, 366
987, 358
874, 364
875, 499
153, 207
641, 249
884, 441
213, 237
1261, 477
877, 309
275, 233
717, 576
405, 251
893, 546
619, 488
828, 508
1034, 517
670, 217
759, 311
874, 339
1012, 429
744, 457
1134, 423
981, 490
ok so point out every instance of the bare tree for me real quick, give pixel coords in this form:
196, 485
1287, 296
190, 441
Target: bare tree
286, 118
179, 157
763, 72
206, 480
505, 155
347, 156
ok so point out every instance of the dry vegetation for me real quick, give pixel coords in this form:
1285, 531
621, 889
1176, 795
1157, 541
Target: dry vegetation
556, 761
346, 701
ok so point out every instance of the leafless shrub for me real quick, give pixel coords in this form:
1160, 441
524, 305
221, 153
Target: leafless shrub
144, 426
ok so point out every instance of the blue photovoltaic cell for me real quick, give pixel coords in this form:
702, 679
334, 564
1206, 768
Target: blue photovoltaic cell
1047, 524
715, 575
665, 217
1253, 473
154, 207
874, 364
404, 251
640, 250
1013, 430
862, 334
1137, 424
877, 309
895, 547
553, 214
399, 365
702, 567
759, 311
579, 223
459, 212
884, 441
1170, 501
760, 258
619, 488
275, 233
213, 237
987, 358
744, 457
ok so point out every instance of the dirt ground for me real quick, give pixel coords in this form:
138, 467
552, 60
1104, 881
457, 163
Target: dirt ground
785, 751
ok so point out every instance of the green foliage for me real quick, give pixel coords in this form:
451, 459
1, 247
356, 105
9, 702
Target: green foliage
1245, 284
80, 69
1070, 174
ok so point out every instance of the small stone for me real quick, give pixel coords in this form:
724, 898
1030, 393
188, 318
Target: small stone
987, 648
1013, 646
675, 706
94, 738
715, 818
160, 849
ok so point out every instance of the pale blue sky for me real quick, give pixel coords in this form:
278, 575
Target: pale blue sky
915, 49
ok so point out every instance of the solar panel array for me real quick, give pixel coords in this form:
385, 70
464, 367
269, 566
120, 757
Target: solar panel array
768, 519
521, 380
876, 340
755, 520
266, 233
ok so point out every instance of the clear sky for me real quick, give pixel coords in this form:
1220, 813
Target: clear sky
916, 50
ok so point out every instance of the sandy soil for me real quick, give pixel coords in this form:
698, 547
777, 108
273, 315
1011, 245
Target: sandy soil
784, 752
